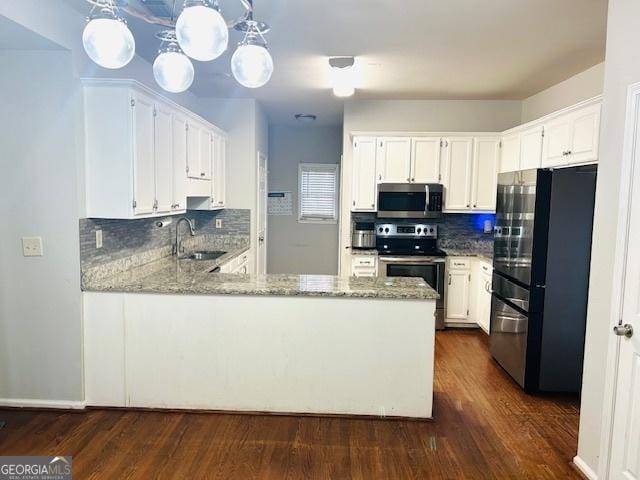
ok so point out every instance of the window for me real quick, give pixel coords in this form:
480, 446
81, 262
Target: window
318, 188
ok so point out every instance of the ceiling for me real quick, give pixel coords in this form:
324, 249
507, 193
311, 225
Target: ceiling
408, 49
17, 37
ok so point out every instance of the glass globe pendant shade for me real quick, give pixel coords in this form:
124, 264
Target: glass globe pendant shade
202, 32
252, 65
108, 42
173, 71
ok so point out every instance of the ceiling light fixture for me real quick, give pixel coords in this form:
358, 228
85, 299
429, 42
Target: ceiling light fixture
106, 37
200, 33
251, 64
342, 76
172, 69
305, 117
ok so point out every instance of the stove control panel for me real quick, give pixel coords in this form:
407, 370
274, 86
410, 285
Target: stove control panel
406, 230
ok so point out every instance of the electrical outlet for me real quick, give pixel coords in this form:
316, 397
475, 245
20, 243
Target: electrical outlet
98, 238
32, 246
218, 223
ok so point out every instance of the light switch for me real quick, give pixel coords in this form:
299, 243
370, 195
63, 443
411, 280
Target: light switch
98, 238
218, 223
32, 246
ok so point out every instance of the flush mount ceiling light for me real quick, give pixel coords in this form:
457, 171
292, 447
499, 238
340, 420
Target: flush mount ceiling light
305, 117
106, 37
342, 76
172, 69
200, 32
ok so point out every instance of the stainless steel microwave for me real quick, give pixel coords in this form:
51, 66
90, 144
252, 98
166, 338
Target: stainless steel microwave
410, 200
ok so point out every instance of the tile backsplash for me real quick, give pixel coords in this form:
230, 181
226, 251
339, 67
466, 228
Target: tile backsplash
124, 238
455, 230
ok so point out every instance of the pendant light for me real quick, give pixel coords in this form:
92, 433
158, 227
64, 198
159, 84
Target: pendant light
251, 64
106, 37
201, 31
172, 69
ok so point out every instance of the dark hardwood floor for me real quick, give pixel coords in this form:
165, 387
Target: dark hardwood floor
485, 427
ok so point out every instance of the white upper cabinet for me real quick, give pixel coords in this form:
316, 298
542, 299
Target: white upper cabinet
556, 143
531, 148
364, 191
164, 158
394, 160
144, 188
179, 143
572, 138
486, 157
425, 159
458, 153
137, 147
510, 154
219, 172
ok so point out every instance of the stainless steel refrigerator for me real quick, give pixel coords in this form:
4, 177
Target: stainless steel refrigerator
542, 254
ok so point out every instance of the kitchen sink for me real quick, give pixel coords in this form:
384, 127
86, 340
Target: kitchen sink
205, 255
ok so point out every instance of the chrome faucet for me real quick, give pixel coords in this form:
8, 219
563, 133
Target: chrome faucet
177, 246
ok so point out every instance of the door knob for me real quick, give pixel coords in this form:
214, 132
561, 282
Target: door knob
623, 330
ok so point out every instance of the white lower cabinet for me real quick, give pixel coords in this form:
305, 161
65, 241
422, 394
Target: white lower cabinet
468, 292
240, 265
457, 289
364, 265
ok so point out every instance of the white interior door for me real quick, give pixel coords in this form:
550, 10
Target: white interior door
625, 439
261, 255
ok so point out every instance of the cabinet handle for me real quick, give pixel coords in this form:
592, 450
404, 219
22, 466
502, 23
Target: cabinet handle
449, 279
468, 205
202, 174
380, 177
474, 205
373, 205
413, 179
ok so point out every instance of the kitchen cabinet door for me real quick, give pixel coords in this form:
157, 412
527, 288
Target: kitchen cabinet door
144, 190
425, 160
585, 132
179, 143
193, 150
394, 160
458, 295
557, 142
510, 153
459, 158
531, 148
364, 187
219, 172
206, 149
486, 157
484, 303
163, 133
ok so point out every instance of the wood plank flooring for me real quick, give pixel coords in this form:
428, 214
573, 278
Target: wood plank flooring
485, 427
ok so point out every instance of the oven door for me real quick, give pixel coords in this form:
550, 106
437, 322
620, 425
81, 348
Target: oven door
430, 270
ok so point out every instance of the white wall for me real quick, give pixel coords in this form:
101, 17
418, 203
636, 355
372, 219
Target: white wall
415, 116
40, 304
582, 86
248, 130
622, 68
301, 247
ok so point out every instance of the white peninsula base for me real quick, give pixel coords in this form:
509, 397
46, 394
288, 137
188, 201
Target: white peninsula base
319, 355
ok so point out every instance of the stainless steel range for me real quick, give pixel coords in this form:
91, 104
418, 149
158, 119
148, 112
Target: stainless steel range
411, 250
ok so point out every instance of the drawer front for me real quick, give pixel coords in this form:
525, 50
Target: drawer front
364, 261
459, 263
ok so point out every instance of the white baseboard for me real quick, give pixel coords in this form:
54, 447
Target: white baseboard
584, 468
35, 403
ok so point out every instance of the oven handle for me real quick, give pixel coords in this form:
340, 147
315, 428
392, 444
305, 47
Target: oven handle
426, 203
405, 261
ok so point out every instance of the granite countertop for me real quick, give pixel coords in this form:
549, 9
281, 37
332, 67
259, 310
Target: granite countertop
181, 276
486, 255
369, 251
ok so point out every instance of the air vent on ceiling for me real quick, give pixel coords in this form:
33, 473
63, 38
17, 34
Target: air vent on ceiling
159, 8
